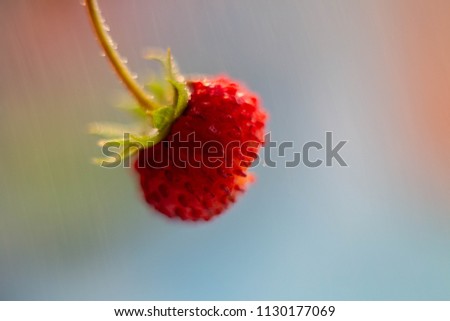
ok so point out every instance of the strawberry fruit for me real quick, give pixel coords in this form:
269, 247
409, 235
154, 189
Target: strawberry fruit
193, 184
196, 140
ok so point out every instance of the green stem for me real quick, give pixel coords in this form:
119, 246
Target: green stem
114, 58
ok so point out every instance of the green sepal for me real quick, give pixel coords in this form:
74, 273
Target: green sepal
166, 60
173, 76
182, 97
127, 146
179, 92
160, 90
162, 117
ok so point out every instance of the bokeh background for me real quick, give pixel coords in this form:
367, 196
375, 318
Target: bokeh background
375, 73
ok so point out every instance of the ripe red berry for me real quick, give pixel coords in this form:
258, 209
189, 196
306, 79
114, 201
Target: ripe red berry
195, 141
179, 176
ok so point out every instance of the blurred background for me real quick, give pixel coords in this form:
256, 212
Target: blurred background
375, 73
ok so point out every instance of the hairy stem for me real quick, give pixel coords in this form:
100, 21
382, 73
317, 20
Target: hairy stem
114, 58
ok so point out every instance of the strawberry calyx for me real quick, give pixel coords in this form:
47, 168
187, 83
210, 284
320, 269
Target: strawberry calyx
159, 103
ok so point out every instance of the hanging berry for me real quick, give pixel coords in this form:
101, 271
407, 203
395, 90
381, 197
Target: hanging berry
195, 140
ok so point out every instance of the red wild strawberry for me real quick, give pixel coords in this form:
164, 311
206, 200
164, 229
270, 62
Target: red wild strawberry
197, 138
202, 185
